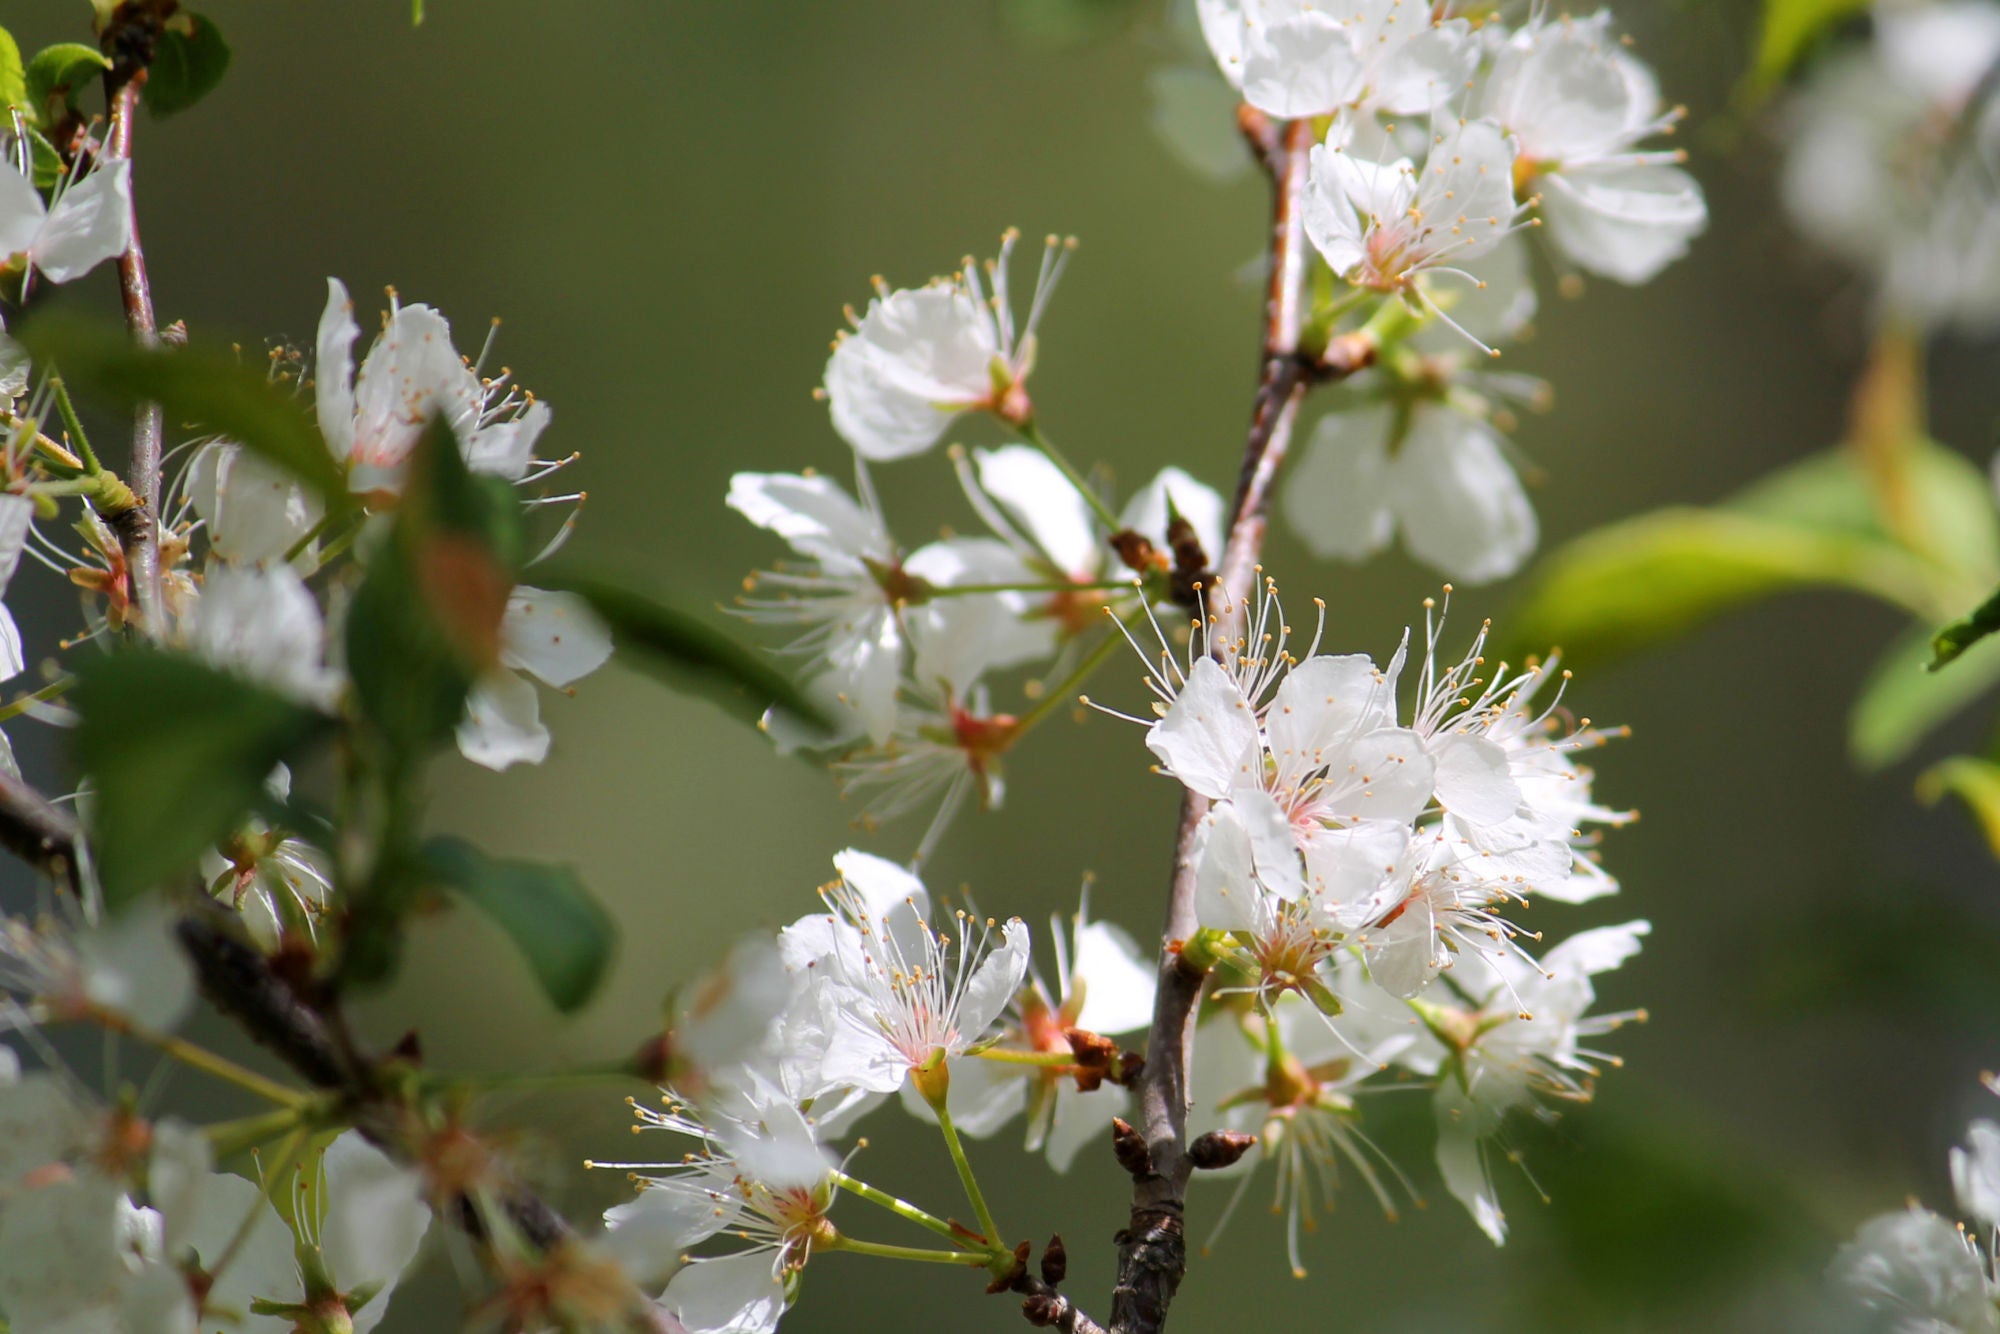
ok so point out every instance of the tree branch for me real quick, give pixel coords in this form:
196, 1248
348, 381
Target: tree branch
1152, 1249
139, 530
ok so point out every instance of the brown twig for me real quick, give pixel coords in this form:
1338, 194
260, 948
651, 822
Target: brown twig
139, 531
1152, 1251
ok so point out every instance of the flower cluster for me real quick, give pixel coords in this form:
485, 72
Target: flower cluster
1892, 160
1912, 1269
1442, 139
1354, 874
899, 645
788, 1045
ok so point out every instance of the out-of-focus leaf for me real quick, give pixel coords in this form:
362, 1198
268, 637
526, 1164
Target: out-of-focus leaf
188, 63
1948, 643
426, 621
1790, 27
191, 386
177, 752
1951, 500
13, 77
1902, 703
1637, 582
1973, 781
61, 72
566, 937
1064, 22
687, 651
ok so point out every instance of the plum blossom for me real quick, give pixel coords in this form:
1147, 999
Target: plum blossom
903, 998
1437, 475
1892, 156
1522, 1036
1917, 1273
89, 221
373, 418
17, 516
921, 356
1577, 105
1384, 225
263, 623
252, 510
52, 970
867, 611
278, 882
553, 637
1293, 58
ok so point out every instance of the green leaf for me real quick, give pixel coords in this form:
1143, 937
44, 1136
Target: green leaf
1790, 27
177, 752
686, 651
188, 62
1951, 501
1902, 703
1948, 643
1649, 578
192, 386
566, 937
1973, 781
58, 73
425, 622
13, 78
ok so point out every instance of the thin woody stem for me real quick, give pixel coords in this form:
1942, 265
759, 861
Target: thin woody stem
139, 530
1152, 1254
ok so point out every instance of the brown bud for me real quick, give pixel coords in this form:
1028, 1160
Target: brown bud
175, 334
1136, 552
409, 1048
1087, 1079
654, 1061
1043, 1309
1055, 1262
1014, 1275
1127, 1069
1189, 558
1219, 1148
1129, 1148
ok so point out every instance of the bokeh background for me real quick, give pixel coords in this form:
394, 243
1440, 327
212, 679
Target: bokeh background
669, 203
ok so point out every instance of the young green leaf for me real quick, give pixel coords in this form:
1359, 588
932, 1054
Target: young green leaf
1902, 703
192, 386
687, 651
1948, 643
177, 753
188, 63
565, 936
58, 73
425, 623
1790, 27
1973, 781
1646, 579
13, 77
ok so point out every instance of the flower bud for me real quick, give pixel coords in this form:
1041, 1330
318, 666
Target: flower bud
1219, 1148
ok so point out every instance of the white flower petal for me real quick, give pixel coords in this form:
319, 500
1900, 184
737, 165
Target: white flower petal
1208, 738
995, 983
503, 723
731, 1294
1337, 499
375, 1217
333, 370
90, 223
556, 636
1461, 508
1051, 513
1118, 981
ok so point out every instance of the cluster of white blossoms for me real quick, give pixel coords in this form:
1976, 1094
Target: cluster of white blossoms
1354, 874
1443, 138
790, 1043
1893, 161
899, 644
1916, 1272
111, 1222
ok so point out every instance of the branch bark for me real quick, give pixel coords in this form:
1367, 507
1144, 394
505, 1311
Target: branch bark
1152, 1249
139, 529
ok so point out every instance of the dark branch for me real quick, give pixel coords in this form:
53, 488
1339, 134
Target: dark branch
1152, 1249
139, 536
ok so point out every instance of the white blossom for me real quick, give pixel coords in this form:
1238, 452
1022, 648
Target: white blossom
89, 222
921, 356
264, 624
252, 510
1435, 474
373, 419
1891, 163
553, 637
1294, 58
1577, 105
1918, 1274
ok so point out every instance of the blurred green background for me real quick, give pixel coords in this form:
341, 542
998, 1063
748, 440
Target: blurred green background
668, 203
